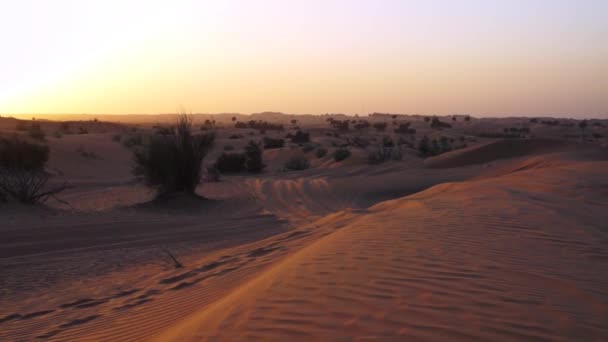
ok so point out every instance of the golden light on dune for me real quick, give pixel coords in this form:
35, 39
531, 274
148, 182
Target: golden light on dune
478, 57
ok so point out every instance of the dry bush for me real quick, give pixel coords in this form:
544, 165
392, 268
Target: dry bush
297, 163
172, 163
22, 175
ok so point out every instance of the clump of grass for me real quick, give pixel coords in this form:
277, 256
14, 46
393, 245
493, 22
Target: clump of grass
172, 163
297, 163
341, 154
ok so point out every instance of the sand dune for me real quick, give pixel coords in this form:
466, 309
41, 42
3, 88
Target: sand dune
451, 263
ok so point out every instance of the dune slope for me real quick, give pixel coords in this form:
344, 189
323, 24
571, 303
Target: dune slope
519, 257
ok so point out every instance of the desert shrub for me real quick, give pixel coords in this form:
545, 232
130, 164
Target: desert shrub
380, 126
341, 154
230, 162
273, 143
433, 147
404, 128
36, 132
163, 130
64, 127
22, 173
384, 154
300, 137
172, 163
116, 137
260, 125
228, 148
297, 163
253, 157
83, 130
321, 152
438, 124
359, 142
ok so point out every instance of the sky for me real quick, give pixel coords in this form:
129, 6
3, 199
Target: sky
479, 57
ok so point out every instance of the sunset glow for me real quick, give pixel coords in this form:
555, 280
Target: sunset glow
539, 57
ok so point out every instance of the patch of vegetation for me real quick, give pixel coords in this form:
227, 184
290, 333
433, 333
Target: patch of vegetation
321, 152
433, 147
380, 126
172, 163
341, 154
404, 128
297, 163
260, 125
438, 124
300, 137
22, 174
270, 143
230, 162
253, 157
384, 154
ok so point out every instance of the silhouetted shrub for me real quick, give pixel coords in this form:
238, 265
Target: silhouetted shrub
321, 152
230, 162
22, 174
273, 143
297, 163
404, 128
253, 157
300, 137
359, 142
172, 163
384, 154
380, 126
341, 154
438, 124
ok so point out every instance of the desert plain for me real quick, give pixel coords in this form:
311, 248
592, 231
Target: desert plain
493, 229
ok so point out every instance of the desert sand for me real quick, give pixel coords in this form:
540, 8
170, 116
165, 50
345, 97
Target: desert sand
504, 239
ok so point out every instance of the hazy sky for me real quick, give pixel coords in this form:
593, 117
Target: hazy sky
483, 57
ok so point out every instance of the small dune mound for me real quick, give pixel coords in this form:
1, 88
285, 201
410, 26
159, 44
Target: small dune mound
503, 149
